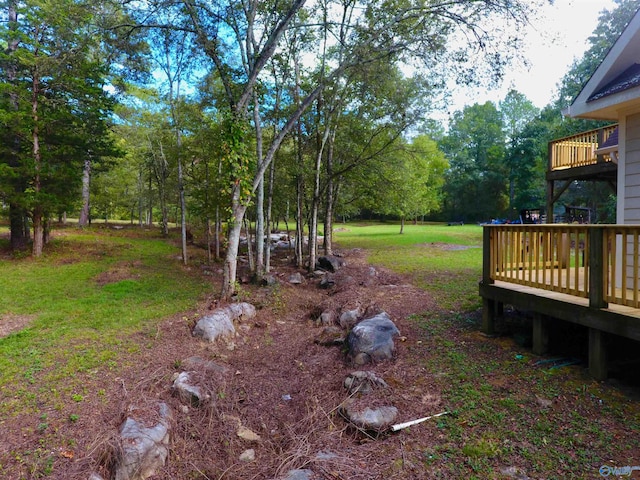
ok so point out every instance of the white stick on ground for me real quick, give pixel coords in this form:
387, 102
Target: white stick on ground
400, 426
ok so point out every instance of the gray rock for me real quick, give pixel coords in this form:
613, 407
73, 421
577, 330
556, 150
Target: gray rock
327, 281
248, 455
330, 263
299, 474
186, 388
219, 323
349, 318
269, 281
326, 318
143, 450
202, 365
363, 382
376, 419
296, 278
330, 335
372, 339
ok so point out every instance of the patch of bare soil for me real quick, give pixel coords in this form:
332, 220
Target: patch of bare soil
10, 323
276, 381
119, 272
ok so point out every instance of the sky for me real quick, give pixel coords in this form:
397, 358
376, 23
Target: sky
556, 39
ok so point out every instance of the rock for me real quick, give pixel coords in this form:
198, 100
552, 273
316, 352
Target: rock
513, 472
299, 474
327, 281
326, 318
269, 281
330, 335
296, 278
350, 317
363, 382
143, 450
248, 455
372, 339
200, 364
219, 323
330, 263
543, 402
376, 419
247, 434
185, 387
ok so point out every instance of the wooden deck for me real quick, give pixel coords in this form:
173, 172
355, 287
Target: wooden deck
587, 275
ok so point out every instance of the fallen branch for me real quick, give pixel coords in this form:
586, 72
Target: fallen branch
400, 426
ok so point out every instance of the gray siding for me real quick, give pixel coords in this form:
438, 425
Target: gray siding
632, 171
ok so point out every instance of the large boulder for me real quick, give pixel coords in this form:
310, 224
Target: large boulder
143, 449
219, 323
372, 339
330, 263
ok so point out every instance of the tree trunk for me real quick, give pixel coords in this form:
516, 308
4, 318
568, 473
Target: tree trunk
299, 221
259, 267
83, 221
328, 218
18, 219
315, 202
233, 242
38, 211
269, 221
401, 225
183, 205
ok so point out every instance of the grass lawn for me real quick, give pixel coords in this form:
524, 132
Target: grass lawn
444, 260
81, 303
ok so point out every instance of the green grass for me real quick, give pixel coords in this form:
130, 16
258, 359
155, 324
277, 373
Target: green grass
78, 323
444, 260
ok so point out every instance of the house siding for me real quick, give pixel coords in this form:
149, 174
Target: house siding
632, 170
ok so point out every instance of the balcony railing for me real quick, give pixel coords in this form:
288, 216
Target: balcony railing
580, 150
597, 262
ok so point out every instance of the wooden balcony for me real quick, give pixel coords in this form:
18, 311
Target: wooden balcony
584, 274
585, 156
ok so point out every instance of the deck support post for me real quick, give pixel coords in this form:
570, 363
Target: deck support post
489, 308
597, 354
540, 334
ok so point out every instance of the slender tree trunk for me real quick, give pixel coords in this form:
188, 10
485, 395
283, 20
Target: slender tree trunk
401, 225
328, 218
299, 179
250, 257
150, 210
83, 221
206, 208
38, 211
269, 221
18, 219
259, 267
315, 203
183, 205
299, 220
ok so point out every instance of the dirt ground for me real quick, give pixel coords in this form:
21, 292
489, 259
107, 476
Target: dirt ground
280, 383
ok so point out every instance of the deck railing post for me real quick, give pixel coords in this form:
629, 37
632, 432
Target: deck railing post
489, 307
486, 255
595, 267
